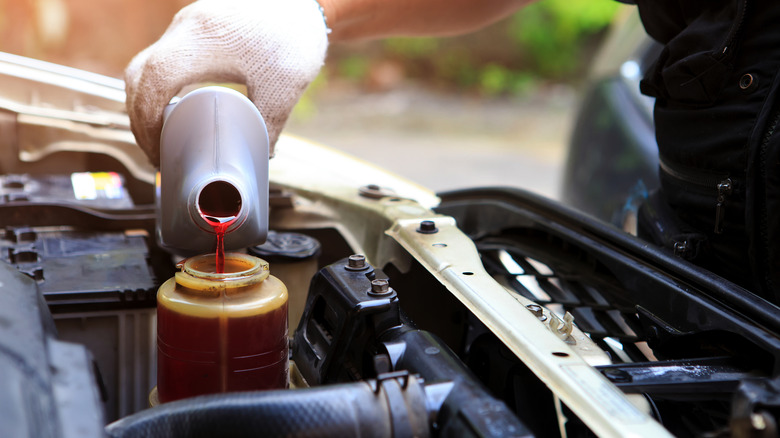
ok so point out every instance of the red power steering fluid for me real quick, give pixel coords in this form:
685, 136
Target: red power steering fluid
219, 204
220, 332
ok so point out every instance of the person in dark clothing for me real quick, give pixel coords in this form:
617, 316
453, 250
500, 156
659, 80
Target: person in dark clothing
714, 83
716, 113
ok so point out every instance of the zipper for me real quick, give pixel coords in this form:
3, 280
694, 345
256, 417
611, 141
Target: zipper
721, 186
725, 188
735, 29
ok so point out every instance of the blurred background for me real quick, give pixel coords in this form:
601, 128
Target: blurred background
489, 108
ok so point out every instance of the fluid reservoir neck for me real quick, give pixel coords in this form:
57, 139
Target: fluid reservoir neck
200, 272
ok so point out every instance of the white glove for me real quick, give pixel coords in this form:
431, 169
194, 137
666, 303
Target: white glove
275, 47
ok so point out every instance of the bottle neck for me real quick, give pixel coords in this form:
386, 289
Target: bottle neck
240, 270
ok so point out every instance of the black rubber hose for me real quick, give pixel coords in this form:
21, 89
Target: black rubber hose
348, 410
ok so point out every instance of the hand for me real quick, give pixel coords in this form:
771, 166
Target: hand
274, 47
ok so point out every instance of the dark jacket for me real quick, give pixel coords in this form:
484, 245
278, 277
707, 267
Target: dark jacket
716, 113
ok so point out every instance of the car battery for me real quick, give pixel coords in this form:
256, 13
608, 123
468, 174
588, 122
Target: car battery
102, 190
101, 291
93, 271
83, 271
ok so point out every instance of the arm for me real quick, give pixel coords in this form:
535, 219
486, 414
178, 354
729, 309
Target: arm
369, 19
276, 47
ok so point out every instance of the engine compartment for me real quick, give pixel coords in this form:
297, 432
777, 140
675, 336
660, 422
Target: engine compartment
99, 276
484, 312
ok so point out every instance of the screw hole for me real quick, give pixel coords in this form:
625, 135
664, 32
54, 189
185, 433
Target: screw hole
560, 354
468, 273
439, 245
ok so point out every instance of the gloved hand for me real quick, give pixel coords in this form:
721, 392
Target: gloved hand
275, 47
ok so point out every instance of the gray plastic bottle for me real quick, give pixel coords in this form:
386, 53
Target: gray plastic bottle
213, 149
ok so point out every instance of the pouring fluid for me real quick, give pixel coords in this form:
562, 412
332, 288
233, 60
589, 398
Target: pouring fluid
222, 320
220, 225
219, 204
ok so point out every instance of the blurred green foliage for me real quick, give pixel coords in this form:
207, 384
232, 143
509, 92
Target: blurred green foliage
554, 31
412, 47
496, 79
551, 40
354, 67
548, 40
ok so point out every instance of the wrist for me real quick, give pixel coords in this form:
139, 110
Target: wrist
331, 14
319, 4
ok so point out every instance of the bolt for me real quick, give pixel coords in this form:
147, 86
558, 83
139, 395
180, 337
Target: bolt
356, 262
375, 191
535, 309
380, 286
427, 227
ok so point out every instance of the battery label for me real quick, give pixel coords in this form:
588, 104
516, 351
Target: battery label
96, 185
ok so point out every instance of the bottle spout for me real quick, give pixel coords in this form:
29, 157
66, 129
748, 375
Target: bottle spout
213, 171
219, 202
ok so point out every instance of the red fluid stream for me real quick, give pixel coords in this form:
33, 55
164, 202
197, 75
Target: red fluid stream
220, 226
219, 204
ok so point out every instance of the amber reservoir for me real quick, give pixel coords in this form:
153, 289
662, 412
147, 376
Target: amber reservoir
221, 332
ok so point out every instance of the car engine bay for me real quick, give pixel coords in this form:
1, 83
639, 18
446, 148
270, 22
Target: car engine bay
487, 312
